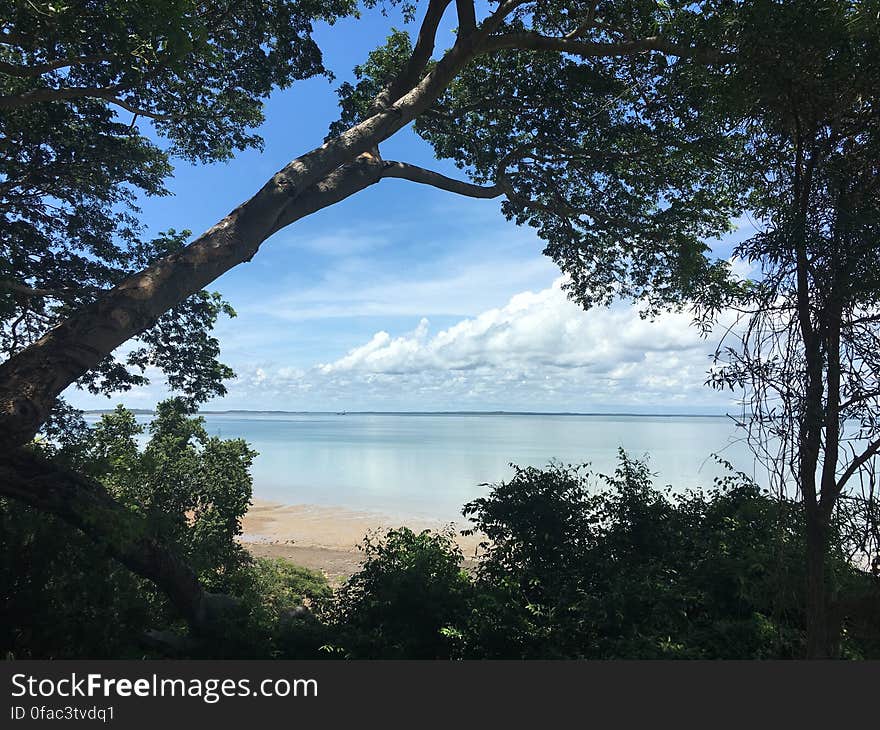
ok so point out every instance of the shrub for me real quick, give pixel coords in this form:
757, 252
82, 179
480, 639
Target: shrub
409, 600
62, 597
593, 566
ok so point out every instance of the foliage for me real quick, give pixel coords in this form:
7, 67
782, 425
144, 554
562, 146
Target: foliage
85, 88
406, 600
604, 157
191, 487
63, 597
277, 616
630, 571
626, 163
802, 97
192, 490
200, 70
577, 565
574, 565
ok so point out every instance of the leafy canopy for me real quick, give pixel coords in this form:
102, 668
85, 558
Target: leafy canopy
88, 93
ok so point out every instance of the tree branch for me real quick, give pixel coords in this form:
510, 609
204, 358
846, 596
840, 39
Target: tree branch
585, 25
86, 504
417, 174
419, 58
137, 110
467, 16
78, 92
73, 92
31, 380
14, 287
870, 451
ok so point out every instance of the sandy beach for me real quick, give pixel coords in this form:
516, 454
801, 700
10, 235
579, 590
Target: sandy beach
325, 538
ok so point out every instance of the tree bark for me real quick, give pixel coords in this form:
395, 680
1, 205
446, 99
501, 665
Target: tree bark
32, 380
819, 640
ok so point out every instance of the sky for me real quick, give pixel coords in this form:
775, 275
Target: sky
407, 298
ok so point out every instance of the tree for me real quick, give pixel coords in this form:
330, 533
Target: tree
76, 80
536, 45
184, 489
806, 349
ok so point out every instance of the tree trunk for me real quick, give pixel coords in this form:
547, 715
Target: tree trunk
819, 641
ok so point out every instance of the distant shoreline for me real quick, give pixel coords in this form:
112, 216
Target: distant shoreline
576, 414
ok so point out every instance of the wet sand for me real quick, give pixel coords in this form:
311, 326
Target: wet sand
326, 538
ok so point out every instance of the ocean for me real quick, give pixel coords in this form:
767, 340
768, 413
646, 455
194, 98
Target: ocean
429, 465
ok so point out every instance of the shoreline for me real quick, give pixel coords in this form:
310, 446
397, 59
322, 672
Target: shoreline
327, 538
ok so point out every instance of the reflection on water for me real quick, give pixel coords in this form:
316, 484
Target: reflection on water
429, 465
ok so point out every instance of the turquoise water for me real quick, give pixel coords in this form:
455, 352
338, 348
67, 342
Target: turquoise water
429, 465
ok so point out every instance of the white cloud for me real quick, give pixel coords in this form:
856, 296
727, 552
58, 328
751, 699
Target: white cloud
542, 329
539, 351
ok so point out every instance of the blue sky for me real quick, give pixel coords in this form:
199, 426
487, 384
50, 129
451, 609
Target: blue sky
404, 297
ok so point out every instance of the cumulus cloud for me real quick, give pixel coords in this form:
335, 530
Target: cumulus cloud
539, 351
542, 329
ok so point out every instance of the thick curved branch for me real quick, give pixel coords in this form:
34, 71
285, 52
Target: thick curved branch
86, 504
137, 110
31, 380
417, 174
419, 58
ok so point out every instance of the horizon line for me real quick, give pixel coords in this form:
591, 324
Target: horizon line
430, 413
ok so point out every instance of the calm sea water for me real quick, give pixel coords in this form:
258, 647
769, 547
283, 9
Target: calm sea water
430, 465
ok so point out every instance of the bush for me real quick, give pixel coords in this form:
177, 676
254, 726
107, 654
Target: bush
408, 601
600, 567
574, 565
61, 597
578, 565
278, 617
